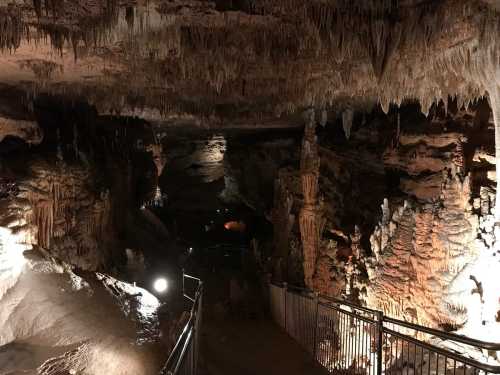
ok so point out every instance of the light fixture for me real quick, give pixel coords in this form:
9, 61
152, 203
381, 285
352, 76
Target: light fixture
160, 285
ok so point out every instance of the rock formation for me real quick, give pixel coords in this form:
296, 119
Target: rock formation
431, 252
54, 321
391, 202
182, 60
311, 225
283, 221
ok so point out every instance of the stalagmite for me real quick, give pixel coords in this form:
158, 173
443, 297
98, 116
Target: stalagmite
310, 217
282, 222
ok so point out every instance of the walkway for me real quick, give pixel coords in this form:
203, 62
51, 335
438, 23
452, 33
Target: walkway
244, 341
232, 347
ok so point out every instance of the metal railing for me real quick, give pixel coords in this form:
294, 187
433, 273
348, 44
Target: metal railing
342, 336
183, 359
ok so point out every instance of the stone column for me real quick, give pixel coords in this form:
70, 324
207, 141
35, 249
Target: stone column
310, 217
282, 222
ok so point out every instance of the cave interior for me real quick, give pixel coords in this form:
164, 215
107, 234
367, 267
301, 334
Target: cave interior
345, 147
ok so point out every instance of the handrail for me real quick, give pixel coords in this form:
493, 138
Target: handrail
350, 304
183, 352
450, 354
447, 335
184, 332
175, 358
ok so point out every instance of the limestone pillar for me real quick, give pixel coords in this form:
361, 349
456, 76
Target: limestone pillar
282, 222
310, 217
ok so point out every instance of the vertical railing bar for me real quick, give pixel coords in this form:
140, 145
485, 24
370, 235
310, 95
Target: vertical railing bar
414, 358
344, 340
407, 358
337, 333
368, 348
347, 341
330, 335
341, 339
421, 359
284, 303
363, 339
392, 351
356, 342
335, 323
397, 352
384, 359
183, 286
323, 337
380, 323
350, 347
351, 341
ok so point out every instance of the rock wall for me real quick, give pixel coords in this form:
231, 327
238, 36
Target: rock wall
434, 255
75, 191
420, 251
409, 206
67, 215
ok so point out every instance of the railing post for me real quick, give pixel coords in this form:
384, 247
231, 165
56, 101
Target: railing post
183, 290
194, 353
285, 288
316, 300
380, 326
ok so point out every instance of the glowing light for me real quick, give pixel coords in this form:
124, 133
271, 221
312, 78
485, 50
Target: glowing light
11, 251
160, 285
12, 260
235, 226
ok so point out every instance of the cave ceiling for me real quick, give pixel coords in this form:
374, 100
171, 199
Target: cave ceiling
249, 62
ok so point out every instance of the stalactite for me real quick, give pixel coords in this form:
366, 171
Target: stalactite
385, 53
37, 4
347, 118
12, 28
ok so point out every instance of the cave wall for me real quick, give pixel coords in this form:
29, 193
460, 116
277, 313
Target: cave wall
72, 194
434, 255
408, 202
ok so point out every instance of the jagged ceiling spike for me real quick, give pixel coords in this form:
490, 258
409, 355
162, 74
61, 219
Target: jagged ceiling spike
324, 118
347, 118
37, 4
385, 105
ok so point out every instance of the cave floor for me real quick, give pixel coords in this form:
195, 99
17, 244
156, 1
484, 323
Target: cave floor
238, 337
255, 347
